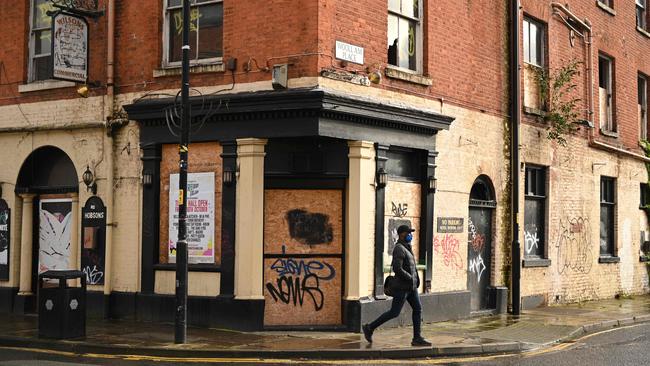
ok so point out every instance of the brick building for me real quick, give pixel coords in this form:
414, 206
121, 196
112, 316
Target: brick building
318, 128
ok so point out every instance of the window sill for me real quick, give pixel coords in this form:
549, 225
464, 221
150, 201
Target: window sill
643, 31
606, 8
44, 85
535, 112
609, 133
536, 262
190, 267
608, 259
395, 73
194, 69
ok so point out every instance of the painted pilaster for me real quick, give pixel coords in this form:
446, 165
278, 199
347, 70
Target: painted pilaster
26, 237
75, 247
249, 219
360, 221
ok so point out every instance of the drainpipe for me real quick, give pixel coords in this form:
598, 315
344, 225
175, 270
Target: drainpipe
108, 142
515, 118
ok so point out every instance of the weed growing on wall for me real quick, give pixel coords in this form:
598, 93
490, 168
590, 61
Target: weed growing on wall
557, 89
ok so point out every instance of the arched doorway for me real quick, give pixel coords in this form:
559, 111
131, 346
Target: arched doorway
48, 184
479, 246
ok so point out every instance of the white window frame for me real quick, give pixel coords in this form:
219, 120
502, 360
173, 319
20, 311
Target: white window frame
32, 45
610, 124
419, 43
642, 81
642, 14
528, 22
165, 59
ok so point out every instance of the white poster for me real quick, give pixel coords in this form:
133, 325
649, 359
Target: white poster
54, 234
70, 48
200, 217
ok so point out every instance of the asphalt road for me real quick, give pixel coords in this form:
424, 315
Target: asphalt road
620, 347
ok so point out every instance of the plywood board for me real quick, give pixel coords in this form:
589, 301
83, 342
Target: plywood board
303, 221
203, 157
302, 291
403, 207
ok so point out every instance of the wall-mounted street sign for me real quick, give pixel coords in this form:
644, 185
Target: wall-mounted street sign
5, 214
70, 47
349, 52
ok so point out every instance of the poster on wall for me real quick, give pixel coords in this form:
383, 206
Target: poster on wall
200, 217
5, 214
54, 234
93, 239
70, 47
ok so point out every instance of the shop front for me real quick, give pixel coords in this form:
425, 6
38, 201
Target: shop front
293, 197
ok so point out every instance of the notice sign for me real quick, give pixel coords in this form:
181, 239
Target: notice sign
4, 240
70, 47
450, 225
200, 217
348, 52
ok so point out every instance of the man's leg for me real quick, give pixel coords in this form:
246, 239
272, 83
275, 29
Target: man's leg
414, 300
395, 308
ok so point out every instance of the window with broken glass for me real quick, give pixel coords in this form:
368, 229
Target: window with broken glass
534, 212
40, 41
206, 31
404, 34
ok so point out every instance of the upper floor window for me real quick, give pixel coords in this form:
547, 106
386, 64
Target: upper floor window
606, 87
40, 41
641, 14
607, 3
404, 34
642, 85
534, 40
206, 31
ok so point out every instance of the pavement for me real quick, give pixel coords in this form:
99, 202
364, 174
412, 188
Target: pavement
534, 329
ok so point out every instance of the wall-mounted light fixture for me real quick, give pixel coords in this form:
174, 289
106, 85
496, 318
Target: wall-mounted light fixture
433, 183
83, 91
147, 178
382, 178
89, 180
228, 176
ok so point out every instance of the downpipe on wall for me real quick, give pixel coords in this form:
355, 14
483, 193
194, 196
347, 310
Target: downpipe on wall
515, 118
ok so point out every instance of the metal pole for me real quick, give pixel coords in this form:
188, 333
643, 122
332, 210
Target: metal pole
515, 117
181, 245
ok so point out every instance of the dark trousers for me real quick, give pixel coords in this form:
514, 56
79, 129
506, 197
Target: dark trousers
398, 302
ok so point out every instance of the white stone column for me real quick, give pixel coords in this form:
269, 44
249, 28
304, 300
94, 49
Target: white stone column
75, 247
360, 220
26, 245
249, 220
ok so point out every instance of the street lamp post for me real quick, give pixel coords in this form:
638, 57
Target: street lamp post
180, 334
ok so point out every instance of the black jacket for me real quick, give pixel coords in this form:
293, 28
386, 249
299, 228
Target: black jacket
404, 266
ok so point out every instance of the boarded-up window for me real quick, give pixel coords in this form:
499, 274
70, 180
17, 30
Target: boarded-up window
534, 212
204, 208
403, 203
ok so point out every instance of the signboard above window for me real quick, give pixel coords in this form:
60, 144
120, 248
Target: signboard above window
69, 47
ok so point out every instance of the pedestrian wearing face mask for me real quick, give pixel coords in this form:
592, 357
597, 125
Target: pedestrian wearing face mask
405, 288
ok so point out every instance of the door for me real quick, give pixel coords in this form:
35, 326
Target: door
303, 257
479, 255
54, 225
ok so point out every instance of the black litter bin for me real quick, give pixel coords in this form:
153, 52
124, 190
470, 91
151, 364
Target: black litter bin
61, 309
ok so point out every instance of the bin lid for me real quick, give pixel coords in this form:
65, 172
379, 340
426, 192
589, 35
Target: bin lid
67, 274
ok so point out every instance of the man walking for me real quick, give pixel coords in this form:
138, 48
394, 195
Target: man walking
405, 288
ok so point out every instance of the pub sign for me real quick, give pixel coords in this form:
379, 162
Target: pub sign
70, 47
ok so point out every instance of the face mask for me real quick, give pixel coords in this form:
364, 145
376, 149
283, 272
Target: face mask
408, 238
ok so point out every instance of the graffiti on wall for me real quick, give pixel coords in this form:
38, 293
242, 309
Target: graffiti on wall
300, 279
573, 248
400, 209
477, 240
447, 245
531, 241
309, 228
477, 266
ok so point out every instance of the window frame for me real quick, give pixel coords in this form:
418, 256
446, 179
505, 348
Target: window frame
542, 40
539, 192
606, 201
166, 63
642, 87
31, 70
610, 124
607, 3
642, 14
419, 42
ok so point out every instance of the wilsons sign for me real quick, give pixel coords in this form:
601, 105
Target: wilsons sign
70, 47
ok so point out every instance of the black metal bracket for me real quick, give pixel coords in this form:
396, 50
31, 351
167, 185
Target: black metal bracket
84, 8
